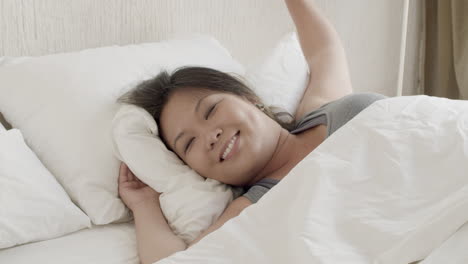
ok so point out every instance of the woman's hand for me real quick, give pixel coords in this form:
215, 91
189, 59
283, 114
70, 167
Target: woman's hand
155, 239
133, 191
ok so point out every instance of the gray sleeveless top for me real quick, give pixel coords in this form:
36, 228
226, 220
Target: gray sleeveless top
334, 114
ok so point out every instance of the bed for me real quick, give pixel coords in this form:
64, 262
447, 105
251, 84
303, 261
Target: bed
356, 206
116, 242
113, 243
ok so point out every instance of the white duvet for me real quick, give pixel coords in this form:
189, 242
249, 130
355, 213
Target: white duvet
390, 186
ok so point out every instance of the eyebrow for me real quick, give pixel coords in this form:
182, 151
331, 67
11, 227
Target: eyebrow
197, 107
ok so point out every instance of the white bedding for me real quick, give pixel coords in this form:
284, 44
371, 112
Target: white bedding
389, 187
107, 244
371, 193
453, 250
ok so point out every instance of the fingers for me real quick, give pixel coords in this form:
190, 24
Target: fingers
140, 185
131, 185
123, 173
137, 180
126, 175
130, 175
141, 182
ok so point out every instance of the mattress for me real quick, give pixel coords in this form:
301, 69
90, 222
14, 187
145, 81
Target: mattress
112, 243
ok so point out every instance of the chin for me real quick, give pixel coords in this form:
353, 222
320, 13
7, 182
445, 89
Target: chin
234, 182
244, 182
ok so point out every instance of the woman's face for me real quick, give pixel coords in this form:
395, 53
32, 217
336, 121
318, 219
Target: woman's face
199, 126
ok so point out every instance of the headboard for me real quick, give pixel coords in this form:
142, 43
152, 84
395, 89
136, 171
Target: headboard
370, 30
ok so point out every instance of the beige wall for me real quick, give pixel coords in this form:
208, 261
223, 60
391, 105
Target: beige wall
370, 29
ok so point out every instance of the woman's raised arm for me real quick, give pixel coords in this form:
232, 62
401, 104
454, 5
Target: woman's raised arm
325, 55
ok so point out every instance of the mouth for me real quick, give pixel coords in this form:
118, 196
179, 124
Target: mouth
230, 148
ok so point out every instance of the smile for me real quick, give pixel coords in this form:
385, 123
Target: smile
231, 148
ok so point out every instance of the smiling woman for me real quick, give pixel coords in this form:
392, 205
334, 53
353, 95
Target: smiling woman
219, 127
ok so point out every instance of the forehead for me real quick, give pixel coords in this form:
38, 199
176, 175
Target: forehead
183, 100
186, 97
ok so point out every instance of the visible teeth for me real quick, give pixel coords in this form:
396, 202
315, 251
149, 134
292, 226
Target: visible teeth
229, 148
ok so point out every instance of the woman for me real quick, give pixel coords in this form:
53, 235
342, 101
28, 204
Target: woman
221, 129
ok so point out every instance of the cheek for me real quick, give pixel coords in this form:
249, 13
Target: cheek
242, 114
252, 121
195, 161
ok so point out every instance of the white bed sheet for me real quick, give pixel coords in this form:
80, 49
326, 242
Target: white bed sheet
112, 243
453, 250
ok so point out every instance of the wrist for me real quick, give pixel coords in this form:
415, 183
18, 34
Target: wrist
146, 205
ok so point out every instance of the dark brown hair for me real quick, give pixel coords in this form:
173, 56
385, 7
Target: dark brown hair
153, 94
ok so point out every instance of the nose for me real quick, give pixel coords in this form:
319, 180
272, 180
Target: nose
213, 137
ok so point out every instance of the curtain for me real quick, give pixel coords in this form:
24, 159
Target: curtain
446, 52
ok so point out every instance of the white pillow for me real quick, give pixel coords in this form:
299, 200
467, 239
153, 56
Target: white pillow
64, 105
33, 205
190, 203
281, 78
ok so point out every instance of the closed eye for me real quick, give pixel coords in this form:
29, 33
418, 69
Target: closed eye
209, 111
206, 118
188, 144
